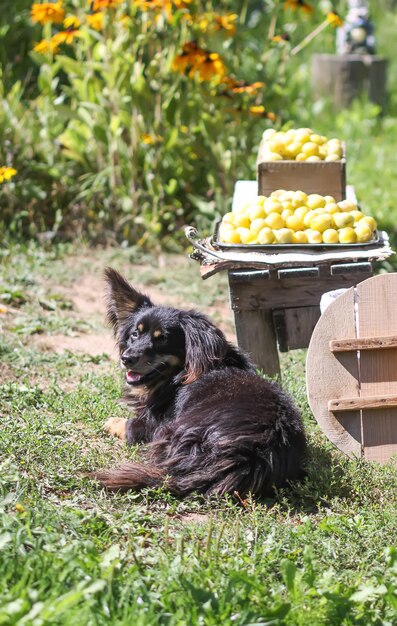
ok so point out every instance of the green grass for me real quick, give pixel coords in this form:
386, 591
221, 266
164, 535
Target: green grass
322, 552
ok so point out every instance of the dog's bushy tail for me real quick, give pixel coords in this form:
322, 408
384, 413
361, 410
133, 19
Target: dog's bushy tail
130, 476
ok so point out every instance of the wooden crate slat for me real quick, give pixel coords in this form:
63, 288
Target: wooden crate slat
366, 343
362, 404
277, 294
377, 317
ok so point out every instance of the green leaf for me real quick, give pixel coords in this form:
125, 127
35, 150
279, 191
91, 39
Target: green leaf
100, 134
288, 571
71, 66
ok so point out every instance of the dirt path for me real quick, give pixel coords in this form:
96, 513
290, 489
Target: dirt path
88, 302
85, 290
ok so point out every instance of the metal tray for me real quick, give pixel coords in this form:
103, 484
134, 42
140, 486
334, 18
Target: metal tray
275, 247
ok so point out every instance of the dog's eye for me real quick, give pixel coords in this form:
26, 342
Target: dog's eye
134, 334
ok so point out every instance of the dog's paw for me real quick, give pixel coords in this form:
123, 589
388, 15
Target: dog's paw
116, 426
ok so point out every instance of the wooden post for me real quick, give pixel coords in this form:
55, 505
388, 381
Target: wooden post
256, 335
345, 77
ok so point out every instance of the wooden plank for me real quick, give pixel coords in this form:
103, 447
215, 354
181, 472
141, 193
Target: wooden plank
241, 276
298, 272
354, 268
377, 317
330, 376
294, 326
361, 404
279, 294
367, 343
256, 336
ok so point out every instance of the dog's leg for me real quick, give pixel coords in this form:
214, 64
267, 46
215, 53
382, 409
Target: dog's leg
116, 426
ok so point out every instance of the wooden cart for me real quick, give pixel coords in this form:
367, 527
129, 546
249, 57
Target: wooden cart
275, 298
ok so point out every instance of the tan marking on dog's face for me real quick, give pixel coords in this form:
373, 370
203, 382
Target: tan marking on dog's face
140, 327
157, 333
116, 426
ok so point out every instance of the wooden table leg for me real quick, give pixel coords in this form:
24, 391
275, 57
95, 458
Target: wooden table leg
256, 336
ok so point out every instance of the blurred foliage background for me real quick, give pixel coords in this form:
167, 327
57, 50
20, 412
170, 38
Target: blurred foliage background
113, 141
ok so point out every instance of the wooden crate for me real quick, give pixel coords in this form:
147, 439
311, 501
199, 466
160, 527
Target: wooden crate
327, 178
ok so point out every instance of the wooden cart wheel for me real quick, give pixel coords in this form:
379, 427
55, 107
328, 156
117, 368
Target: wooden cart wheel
352, 370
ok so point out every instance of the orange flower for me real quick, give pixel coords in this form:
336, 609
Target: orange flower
45, 46
334, 19
192, 55
226, 23
95, 20
102, 5
6, 173
250, 89
298, 4
205, 64
48, 12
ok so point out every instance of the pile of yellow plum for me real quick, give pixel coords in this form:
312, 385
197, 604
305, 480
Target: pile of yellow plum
293, 217
301, 144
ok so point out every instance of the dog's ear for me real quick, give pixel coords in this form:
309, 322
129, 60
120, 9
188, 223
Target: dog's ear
122, 299
206, 345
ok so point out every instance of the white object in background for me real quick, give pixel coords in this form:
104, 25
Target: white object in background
329, 297
244, 191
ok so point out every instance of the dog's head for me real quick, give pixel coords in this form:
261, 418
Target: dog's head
156, 342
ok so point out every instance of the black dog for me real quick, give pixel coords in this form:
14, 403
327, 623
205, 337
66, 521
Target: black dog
213, 426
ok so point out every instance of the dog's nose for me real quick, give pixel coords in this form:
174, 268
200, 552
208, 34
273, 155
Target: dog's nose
128, 359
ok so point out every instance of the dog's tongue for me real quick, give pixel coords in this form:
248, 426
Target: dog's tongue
133, 378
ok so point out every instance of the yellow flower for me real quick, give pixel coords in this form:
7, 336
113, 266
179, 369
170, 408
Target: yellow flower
48, 12
226, 23
181, 4
19, 508
72, 22
45, 46
298, 4
282, 38
211, 67
149, 140
202, 23
257, 109
154, 5
334, 19
102, 5
64, 36
6, 173
95, 21
261, 111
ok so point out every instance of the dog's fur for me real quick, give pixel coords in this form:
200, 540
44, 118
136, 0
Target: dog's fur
213, 426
